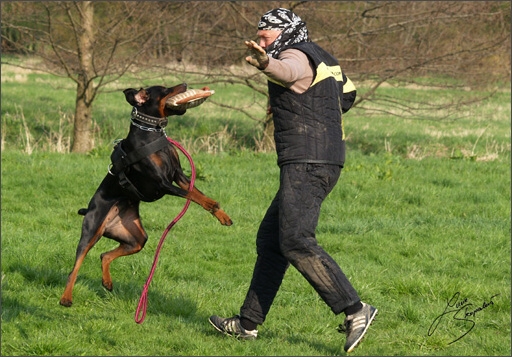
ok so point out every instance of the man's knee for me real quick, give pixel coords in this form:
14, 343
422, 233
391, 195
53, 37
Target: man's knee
296, 249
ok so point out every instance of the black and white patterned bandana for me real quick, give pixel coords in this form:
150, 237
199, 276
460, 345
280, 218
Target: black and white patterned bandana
294, 29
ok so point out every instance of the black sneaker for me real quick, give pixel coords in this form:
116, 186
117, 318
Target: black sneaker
231, 326
356, 325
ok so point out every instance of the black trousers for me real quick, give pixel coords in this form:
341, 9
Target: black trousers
287, 236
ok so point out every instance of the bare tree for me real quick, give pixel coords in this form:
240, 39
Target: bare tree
83, 28
90, 50
376, 42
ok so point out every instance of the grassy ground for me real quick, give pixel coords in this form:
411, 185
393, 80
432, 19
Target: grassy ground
408, 241
419, 219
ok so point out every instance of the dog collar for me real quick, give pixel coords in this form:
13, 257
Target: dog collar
147, 119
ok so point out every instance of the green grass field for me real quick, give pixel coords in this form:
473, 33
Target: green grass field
419, 219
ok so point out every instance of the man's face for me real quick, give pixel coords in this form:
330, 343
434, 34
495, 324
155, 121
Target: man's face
266, 37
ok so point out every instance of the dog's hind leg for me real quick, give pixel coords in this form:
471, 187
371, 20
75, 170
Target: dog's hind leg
125, 228
93, 229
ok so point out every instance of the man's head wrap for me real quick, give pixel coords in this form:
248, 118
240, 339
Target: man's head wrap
294, 29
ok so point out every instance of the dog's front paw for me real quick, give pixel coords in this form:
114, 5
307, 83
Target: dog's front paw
223, 217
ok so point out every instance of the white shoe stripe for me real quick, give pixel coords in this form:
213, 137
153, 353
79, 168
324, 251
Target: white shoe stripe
358, 326
231, 327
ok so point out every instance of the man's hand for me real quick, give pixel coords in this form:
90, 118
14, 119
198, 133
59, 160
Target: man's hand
259, 58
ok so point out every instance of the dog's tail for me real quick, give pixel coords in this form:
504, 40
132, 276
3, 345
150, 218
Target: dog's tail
82, 211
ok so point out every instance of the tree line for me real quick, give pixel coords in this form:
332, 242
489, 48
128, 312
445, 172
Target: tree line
94, 43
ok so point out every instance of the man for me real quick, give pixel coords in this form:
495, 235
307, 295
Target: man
308, 93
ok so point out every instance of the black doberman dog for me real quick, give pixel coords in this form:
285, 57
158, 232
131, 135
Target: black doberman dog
144, 166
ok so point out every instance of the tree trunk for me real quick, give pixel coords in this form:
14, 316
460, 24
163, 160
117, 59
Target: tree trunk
82, 136
82, 140
267, 143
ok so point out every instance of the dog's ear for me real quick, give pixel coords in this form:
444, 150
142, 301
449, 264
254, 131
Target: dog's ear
136, 97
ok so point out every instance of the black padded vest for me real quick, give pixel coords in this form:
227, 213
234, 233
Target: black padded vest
308, 126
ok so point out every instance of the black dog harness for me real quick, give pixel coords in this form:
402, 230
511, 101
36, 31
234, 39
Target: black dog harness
121, 160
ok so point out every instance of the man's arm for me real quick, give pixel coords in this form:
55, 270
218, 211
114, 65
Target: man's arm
291, 70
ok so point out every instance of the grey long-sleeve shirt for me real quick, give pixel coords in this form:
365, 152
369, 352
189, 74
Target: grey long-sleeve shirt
292, 69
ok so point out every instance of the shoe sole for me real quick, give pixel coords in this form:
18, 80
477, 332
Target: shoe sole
364, 332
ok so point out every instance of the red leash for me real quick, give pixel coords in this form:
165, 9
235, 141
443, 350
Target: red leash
144, 297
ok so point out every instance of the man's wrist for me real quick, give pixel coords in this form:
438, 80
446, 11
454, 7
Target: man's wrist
263, 65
